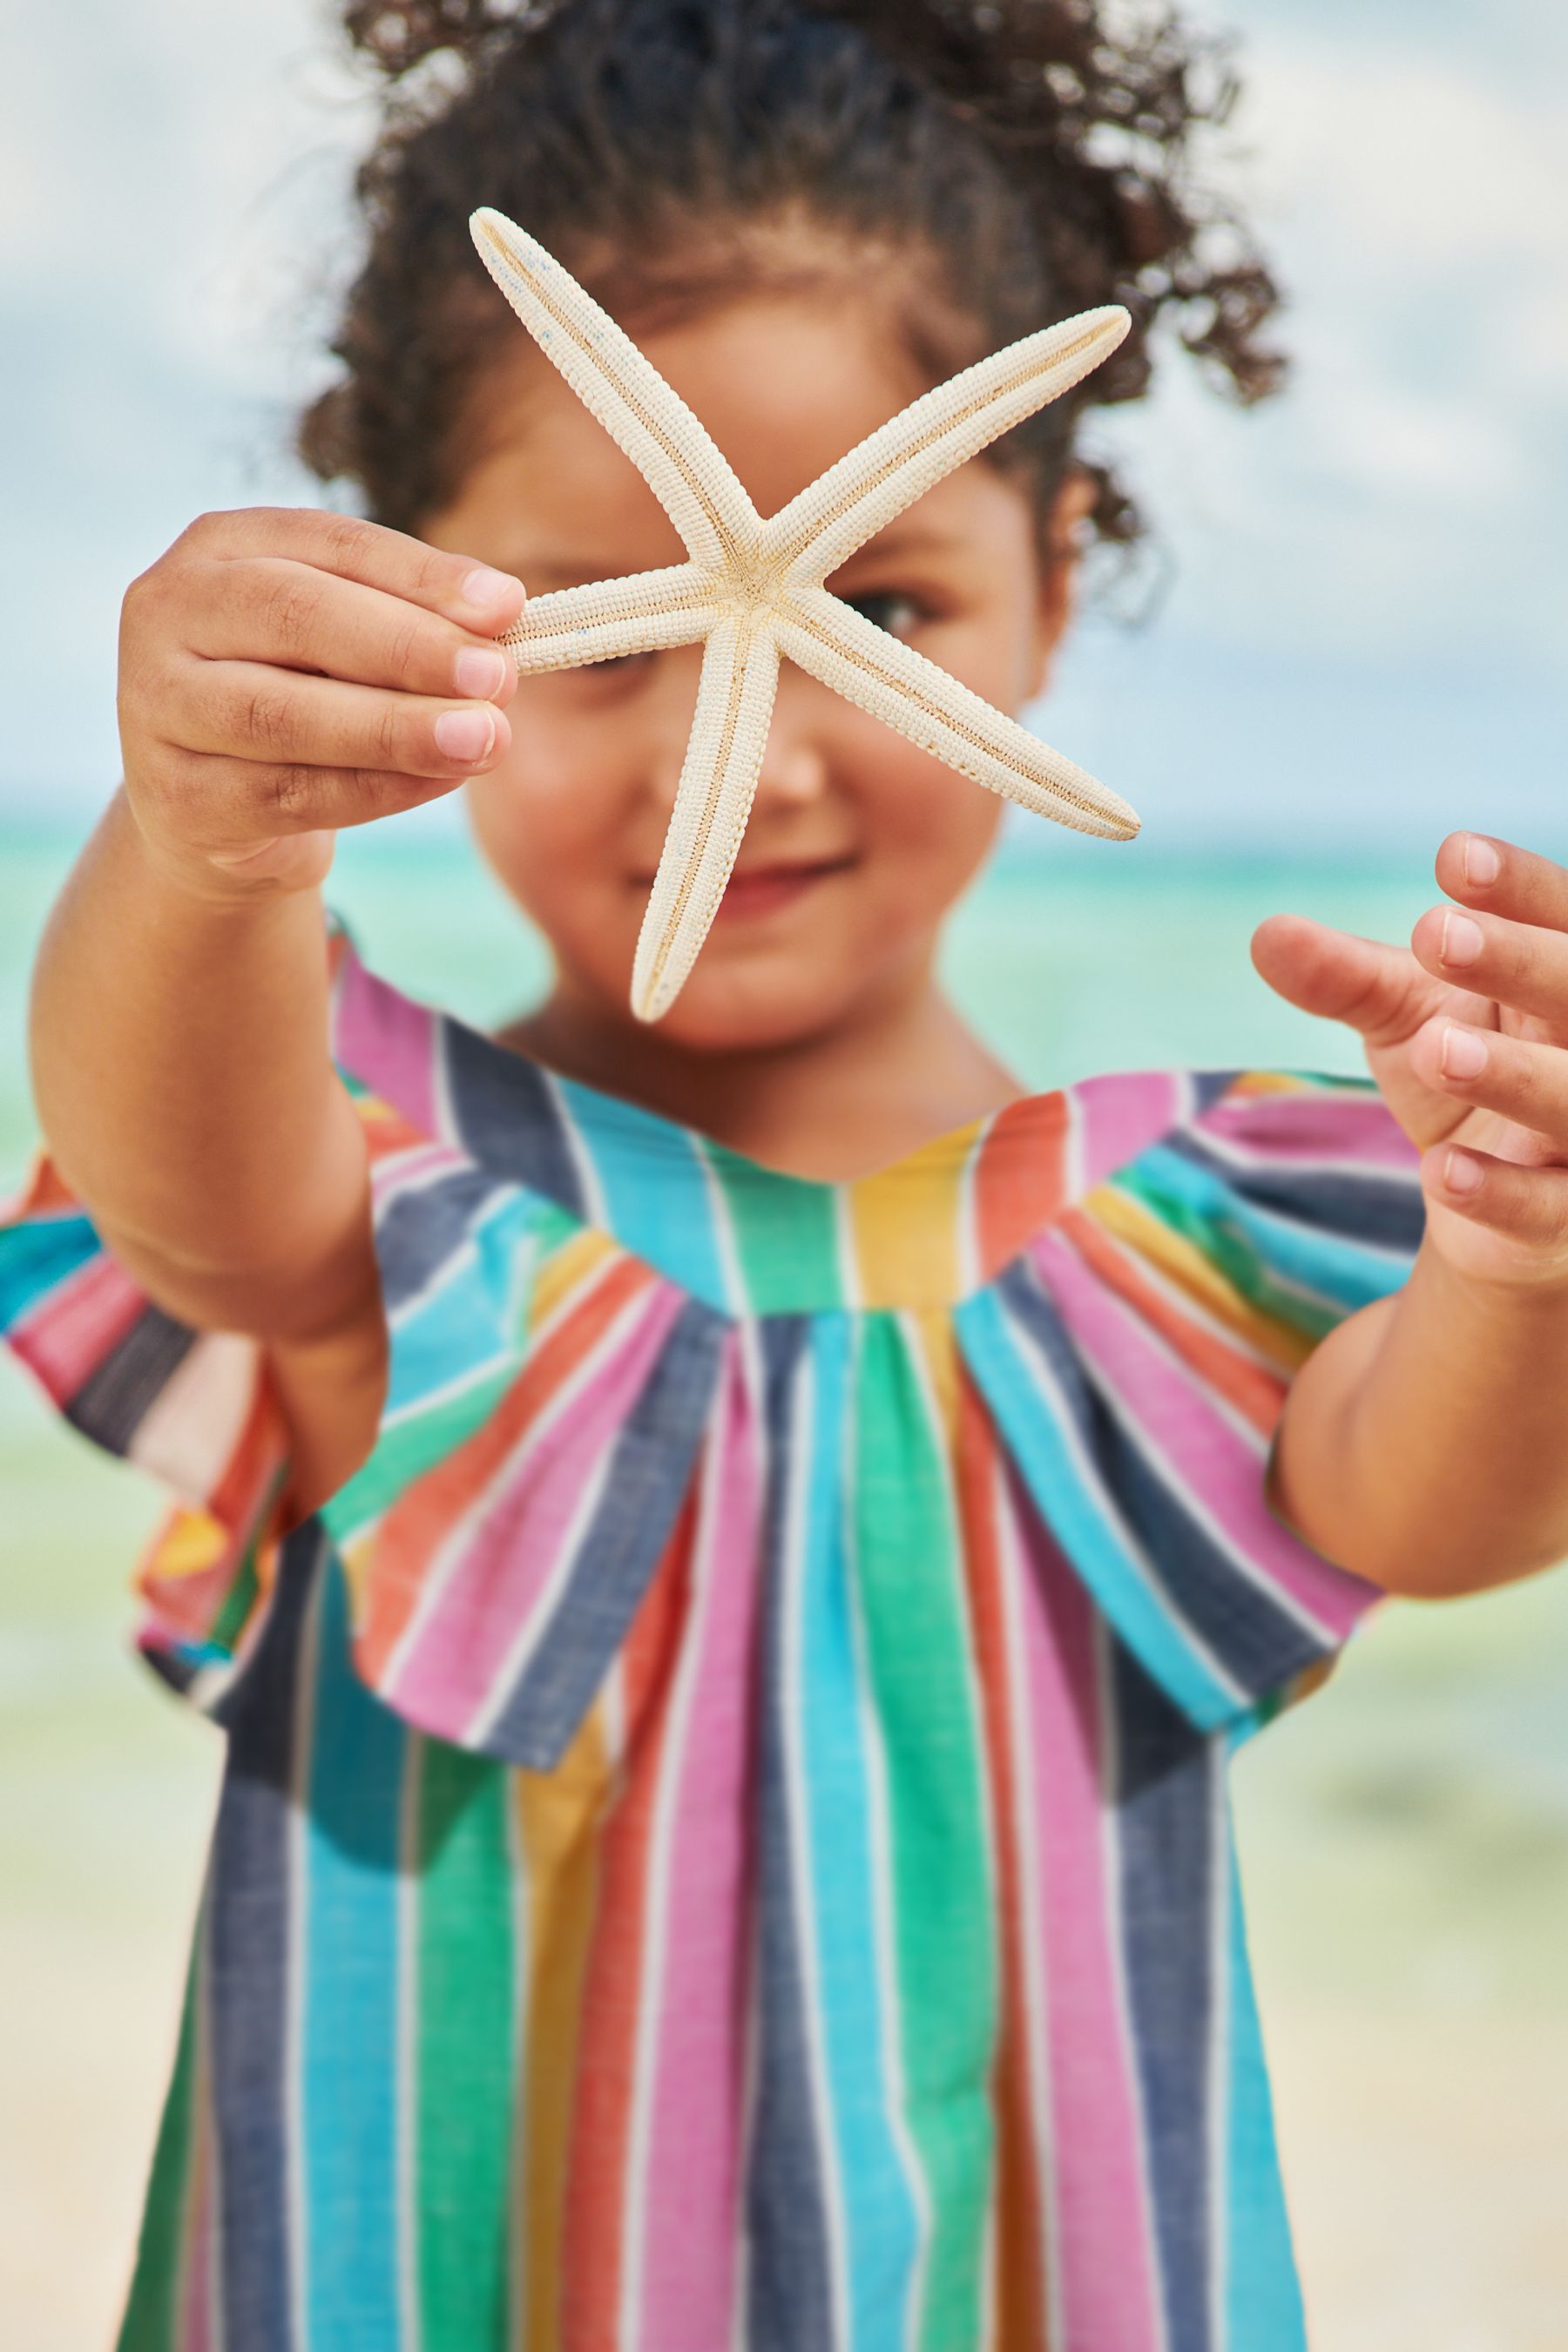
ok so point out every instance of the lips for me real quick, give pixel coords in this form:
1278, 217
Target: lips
761, 890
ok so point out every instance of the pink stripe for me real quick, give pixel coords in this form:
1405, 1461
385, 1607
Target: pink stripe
691, 2172
510, 1556
1310, 1126
386, 1041
1206, 1458
1103, 2253
66, 1336
1121, 1114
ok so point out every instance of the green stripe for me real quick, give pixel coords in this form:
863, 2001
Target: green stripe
416, 1446
152, 2315
785, 1235
466, 2015
918, 1647
1230, 1248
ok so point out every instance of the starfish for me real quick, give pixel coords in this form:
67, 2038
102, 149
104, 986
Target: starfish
754, 589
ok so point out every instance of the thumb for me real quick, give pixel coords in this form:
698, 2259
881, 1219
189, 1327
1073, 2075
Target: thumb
1379, 990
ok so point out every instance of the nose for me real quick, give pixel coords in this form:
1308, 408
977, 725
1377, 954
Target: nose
795, 766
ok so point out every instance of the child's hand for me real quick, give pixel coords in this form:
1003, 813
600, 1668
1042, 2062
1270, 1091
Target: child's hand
1487, 989
284, 673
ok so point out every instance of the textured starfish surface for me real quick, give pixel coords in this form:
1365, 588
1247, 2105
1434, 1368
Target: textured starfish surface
753, 589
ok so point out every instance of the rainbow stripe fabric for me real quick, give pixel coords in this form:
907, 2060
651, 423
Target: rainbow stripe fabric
725, 1836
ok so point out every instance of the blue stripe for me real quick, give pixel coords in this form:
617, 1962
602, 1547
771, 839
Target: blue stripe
1262, 2295
1164, 1786
789, 2274
880, 2221
349, 2060
247, 1973
1336, 1269
505, 1115
472, 1317
657, 1199
650, 1473
1018, 1389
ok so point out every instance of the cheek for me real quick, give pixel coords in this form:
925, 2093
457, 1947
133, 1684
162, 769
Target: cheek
929, 831
554, 820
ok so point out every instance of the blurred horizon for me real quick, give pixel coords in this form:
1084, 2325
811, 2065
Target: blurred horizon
1358, 639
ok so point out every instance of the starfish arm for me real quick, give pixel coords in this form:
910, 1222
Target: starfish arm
882, 676
645, 613
692, 481
712, 802
860, 495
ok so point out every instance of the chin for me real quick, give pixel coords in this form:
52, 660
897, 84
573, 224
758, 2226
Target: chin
719, 1012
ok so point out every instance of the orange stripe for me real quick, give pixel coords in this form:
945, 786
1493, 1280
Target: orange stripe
615, 2001
1020, 2252
1020, 1179
400, 1551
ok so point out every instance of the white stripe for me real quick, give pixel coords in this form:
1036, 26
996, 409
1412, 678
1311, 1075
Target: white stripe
1143, 1441
971, 1273
406, 2085
729, 1267
1109, 1829
294, 2012
450, 1554
844, 1246
655, 1915
792, 1571
1097, 1497
595, 1212
540, 1618
879, 1842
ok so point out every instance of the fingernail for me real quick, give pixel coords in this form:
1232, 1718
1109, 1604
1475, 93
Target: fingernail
1464, 1054
1482, 863
1462, 1172
484, 588
1462, 939
465, 735
480, 671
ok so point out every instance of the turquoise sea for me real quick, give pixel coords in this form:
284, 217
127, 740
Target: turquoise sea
1405, 1835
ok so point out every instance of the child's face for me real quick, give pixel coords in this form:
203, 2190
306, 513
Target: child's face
858, 843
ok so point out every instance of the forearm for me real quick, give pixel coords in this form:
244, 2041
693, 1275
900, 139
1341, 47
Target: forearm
1425, 1442
184, 1080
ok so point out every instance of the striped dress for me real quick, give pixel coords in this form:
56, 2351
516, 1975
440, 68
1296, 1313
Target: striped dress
724, 1837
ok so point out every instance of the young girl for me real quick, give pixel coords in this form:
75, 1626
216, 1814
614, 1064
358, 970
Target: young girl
732, 1556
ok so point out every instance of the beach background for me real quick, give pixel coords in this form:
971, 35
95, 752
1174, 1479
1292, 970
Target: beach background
1351, 641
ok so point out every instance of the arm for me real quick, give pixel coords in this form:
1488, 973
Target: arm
281, 675
1423, 1444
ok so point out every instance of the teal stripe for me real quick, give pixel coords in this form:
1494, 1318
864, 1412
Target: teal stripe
1077, 1515
656, 1193
164, 2250
880, 2224
349, 2060
466, 2063
37, 1256
786, 1235
918, 1653
1304, 1276
1262, 2297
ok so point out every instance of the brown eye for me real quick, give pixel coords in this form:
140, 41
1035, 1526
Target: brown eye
890, 609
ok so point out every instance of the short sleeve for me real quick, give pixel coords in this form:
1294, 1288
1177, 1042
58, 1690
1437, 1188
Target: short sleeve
193, 1409
1136, 1358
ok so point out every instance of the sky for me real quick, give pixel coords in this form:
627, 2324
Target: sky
1360, 639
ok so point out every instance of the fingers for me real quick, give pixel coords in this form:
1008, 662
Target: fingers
473, 596
1375, 988
276, 610
1519, 1078
1528, 1204
307, 753
1508, 941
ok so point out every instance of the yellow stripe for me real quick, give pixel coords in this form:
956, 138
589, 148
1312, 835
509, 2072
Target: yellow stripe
903, 1224
565, 1269
559, 1818
1185, 1266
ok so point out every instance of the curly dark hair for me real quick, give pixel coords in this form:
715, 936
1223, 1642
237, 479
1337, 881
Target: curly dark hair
1006, 166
